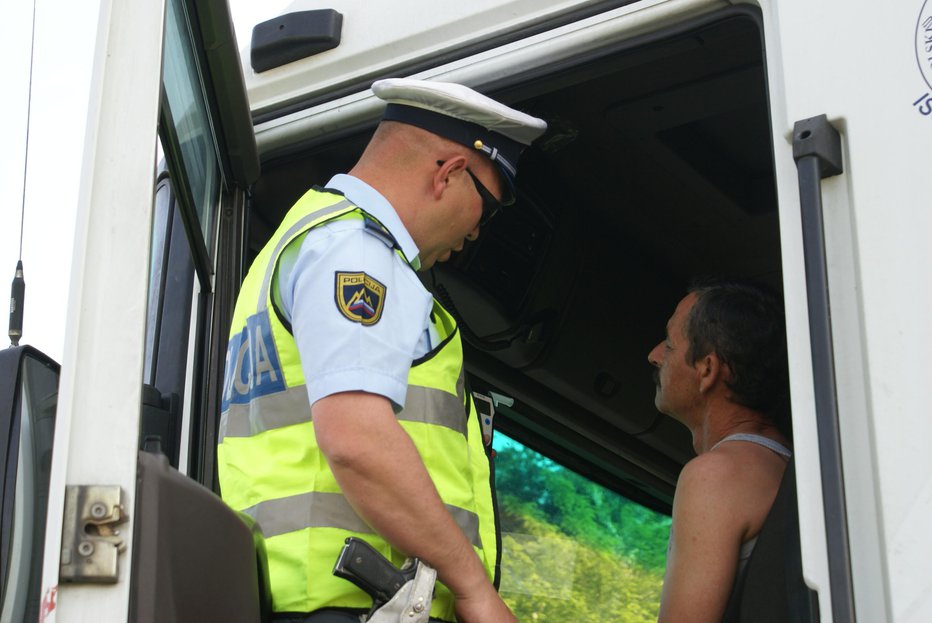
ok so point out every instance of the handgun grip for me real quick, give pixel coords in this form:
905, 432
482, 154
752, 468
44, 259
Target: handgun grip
364, 566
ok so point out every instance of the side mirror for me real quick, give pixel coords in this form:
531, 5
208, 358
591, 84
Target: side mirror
28, 401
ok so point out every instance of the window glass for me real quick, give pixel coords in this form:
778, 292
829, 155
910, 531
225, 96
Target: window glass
188, 111
168, 318
573, 550
161, 218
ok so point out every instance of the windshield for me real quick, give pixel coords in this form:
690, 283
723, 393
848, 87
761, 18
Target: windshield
573, 550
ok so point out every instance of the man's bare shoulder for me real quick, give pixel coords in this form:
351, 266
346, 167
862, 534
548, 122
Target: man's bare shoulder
707, 524
734, 485
707, 472
711, 486
706, 479
739, 464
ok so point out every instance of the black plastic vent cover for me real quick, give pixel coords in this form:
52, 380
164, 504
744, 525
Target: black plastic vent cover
294, 36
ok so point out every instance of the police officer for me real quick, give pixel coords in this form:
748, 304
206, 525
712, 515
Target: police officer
344, 403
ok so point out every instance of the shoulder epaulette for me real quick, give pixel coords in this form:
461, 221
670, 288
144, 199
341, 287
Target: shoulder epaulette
331, 191
379, 231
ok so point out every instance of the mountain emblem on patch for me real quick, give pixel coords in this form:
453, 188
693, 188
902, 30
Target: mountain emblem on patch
359, 297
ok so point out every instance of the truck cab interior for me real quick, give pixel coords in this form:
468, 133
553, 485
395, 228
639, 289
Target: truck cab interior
656, 169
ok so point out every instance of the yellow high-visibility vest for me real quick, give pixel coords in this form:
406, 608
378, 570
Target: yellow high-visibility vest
269, 464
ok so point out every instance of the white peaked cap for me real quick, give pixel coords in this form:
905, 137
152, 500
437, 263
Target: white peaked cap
462, 115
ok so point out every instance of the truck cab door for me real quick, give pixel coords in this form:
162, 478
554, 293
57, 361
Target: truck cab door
152, 83
854, 255
100, 391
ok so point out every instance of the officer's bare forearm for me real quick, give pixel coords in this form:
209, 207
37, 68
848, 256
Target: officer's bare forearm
383, 477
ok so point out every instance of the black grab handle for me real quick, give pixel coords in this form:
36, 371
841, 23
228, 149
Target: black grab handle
817, 151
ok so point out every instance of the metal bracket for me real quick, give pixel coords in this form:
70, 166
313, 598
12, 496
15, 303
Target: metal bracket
485, 406
817, 138
487, 412
91, 544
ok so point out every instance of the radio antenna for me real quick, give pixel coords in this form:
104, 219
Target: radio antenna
18, 291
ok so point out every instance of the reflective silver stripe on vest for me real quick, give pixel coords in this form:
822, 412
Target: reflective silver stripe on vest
267, 413
461, 386
285, 239
434, 406
422, 404
331, 510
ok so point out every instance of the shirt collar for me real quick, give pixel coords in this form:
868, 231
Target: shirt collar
372, 201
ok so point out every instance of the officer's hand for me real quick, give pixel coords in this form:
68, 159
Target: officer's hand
485, 608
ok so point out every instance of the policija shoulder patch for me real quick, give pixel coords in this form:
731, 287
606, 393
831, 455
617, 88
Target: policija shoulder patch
359, 297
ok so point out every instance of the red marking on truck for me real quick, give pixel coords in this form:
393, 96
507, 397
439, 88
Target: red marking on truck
48, 603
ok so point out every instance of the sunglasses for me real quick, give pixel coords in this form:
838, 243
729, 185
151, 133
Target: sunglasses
490, 205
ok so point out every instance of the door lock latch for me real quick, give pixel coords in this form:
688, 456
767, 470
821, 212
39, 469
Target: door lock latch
91, 538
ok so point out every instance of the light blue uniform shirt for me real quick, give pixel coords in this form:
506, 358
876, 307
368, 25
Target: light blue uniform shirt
338, 354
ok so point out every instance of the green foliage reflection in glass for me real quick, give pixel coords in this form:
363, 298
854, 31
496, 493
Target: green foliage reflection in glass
571, 549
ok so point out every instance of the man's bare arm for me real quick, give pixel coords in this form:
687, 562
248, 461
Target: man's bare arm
706, 540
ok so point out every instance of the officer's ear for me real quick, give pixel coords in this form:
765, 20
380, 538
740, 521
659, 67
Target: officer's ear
446, 173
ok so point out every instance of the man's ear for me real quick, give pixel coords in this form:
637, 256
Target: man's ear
710, 369
445, 170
